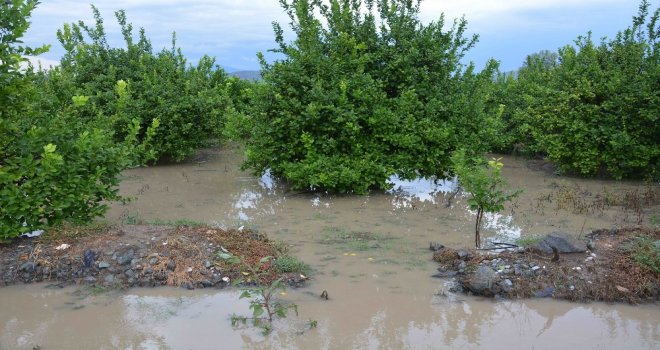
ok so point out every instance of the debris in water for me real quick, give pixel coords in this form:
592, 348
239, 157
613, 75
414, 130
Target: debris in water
35, 233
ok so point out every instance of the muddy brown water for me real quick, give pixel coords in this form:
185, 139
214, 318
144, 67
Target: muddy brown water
370, 253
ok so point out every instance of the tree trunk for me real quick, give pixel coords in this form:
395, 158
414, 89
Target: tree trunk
477, 228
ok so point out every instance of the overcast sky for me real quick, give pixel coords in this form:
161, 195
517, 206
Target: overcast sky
234, 30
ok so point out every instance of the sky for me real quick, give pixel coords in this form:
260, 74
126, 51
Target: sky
233, 31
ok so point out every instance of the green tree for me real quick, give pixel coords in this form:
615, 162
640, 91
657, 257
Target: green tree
485, 184
190, 102
53, 167
365, 91
594, 108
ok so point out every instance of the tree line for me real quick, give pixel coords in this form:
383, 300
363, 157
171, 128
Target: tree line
364, 91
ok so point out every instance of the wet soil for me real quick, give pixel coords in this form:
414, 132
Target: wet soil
606, 271
140, 256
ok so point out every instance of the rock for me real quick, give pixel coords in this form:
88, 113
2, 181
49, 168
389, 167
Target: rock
545, 293
462, 265
508, 283
517, 270
435, 246
207, 283
90, 279
126, 257
89, 256
563, 242
463, 254
207, 264
443, 273
28, 266
483, 280
129, 273
591, 245
171, 265
109, 279
148, 271
104, 265
153, 261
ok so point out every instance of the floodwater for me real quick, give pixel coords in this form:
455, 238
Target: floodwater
380, 289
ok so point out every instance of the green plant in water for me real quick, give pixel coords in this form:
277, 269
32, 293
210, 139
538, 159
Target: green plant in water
485, 184
288, 263
263, 297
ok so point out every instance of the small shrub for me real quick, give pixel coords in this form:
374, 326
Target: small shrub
263, 297
645, 251
288, 263
485, 184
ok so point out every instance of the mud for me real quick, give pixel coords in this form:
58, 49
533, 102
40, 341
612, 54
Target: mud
140, 256
606, 272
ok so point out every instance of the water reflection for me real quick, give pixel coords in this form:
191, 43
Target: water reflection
168, 318
405, 193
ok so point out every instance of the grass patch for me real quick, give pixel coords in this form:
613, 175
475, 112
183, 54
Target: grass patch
645, 251
177, 223
68, 231
288, 263
528, 241
355, 240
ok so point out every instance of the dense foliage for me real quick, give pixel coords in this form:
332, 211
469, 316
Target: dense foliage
362, 95
178, 107
594, 109
52, 166
364, 91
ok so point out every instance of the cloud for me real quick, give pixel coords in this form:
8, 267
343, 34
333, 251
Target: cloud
38, 62
234, 30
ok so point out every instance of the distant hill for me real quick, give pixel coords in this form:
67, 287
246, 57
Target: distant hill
247, 74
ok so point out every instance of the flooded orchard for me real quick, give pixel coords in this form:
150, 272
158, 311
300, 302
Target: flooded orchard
370, 253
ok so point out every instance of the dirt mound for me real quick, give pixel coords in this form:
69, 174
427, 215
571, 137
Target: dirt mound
620, 267
139, 255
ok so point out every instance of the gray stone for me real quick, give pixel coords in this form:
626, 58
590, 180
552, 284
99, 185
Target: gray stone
207, 264
483, 280
28, 266
129, 273
508, 283
104, 265
171, 265
517, 270
90, 279
207, 283
126, 257
435, 246
462, 265
89, 256
563, 242
153, 261
463, 254
445, 273
109, 279
545, 293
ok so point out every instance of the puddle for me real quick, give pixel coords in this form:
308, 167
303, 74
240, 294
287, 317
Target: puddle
168, 318
370, 253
